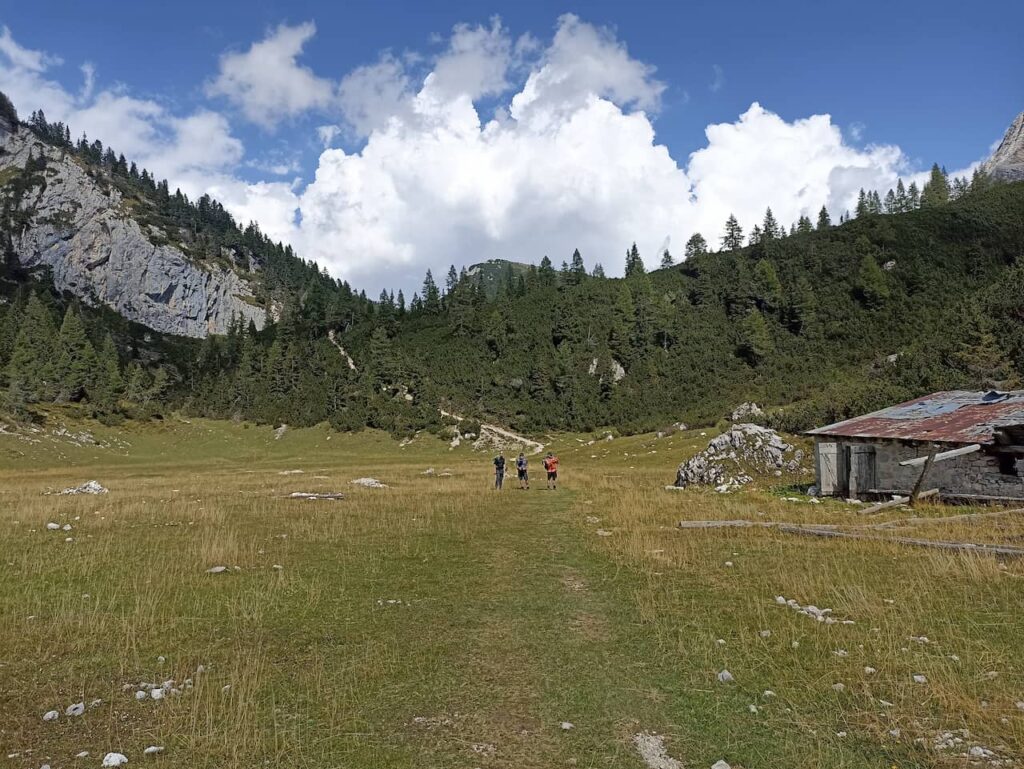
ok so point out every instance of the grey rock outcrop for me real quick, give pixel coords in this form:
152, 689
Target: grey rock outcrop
746, 411
1007, 162
86, 235
732, 458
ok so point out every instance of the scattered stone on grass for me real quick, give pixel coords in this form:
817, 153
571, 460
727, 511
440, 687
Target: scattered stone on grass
83, 754
217, 570
90, 487
483, 748
152, 750
603, 533
115, 759
53, 526
330, 495
291, 472
434, 722
920, 679
720, 765
369, 483
567, 725
812, 611
75, 710
651, 748
725, 677
51, 715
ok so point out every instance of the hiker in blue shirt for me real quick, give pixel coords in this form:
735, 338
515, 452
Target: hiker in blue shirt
521, 469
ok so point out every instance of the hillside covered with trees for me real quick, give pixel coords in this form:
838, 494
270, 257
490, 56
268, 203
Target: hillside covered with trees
917, 291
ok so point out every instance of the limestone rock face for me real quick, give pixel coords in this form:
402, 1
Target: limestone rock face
1007, 162
86, 235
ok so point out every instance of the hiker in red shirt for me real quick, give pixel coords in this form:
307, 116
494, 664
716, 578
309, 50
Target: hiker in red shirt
551, 466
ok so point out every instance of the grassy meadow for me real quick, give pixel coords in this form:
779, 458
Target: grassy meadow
437, 623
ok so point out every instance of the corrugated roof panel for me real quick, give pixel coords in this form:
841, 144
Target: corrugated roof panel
957, 416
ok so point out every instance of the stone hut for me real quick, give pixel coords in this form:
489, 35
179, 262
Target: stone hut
860, 457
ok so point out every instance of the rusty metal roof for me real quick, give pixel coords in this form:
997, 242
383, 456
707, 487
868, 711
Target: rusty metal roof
957, 416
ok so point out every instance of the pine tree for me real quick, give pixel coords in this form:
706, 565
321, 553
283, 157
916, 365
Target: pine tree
546, 272
666, 260
755, 338
913, 197
803, 225
696, 246
889, 206
979, 356
959, 188
872, 284
770, 228
902, 204
733, 237
452, 280
767, 285
577, 270
159, 386
980, 181
936, 189
431, 295
138, 383
634, 264
31, 370
598, 271
862, 204
755, 236
109, 383
824, 220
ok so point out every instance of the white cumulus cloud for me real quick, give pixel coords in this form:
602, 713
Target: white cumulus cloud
569, 160
267, 83
493, 147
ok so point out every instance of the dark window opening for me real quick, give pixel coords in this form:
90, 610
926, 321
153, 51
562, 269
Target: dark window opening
1008, 464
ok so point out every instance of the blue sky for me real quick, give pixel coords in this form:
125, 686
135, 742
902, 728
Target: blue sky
935, 81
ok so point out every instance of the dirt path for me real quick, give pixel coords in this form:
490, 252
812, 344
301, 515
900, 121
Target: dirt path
535, 447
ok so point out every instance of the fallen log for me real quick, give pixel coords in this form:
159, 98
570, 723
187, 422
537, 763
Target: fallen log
973, 547
831, 531
900, 522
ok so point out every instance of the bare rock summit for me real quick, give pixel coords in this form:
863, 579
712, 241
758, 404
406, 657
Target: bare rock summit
1007, 162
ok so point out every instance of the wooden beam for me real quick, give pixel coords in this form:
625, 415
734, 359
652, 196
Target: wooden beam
895, 502
829, 532
963, 518
920, 479
941, 456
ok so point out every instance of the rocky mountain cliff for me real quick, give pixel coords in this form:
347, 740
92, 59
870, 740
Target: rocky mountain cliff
84, 232
1007, 162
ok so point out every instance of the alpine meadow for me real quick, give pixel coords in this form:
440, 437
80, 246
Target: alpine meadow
753, 499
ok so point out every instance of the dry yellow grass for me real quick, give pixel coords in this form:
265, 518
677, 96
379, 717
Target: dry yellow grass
438, 623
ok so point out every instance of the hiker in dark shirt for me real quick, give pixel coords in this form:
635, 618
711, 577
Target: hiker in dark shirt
521, 469
499, 470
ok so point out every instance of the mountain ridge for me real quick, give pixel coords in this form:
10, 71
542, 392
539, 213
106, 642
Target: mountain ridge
93, 247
